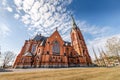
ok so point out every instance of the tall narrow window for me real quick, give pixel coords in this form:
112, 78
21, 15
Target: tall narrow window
33, 48
56, 48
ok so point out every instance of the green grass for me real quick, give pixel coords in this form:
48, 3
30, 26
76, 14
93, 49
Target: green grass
66, 74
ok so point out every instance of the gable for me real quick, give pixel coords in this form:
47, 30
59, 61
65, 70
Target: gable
56, 36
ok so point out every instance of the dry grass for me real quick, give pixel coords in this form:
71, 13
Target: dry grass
66, 74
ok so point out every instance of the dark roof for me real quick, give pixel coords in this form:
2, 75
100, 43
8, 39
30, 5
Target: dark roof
39, 38
43, 43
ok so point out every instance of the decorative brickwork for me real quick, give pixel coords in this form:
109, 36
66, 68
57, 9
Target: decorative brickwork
54, 52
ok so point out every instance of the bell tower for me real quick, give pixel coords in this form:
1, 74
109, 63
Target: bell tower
78, 42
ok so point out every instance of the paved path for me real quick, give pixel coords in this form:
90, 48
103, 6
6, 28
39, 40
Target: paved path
7, 71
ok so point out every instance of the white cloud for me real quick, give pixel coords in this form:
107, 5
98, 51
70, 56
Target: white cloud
5, 6
9, 9
18, 3
25, 19
4, 30
27, 4
44, 15
93, 30
4, 2
16, 16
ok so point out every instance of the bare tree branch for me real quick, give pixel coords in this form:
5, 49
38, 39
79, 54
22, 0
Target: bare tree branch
8, 57
113, 47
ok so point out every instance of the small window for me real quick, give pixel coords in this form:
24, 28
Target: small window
64, 54
70, 53
38, 50
59, 57
78, 61
53, 57
47, 52
50, 59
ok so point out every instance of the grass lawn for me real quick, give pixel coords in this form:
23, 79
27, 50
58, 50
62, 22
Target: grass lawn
66, 74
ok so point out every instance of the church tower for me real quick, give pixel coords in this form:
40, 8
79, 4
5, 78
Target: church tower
78, 42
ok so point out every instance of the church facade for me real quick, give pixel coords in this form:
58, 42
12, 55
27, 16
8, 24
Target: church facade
53, 51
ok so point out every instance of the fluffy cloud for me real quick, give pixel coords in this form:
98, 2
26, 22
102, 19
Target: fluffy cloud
4, 30
43, 16
9, 9
4, 2
16, 16
6, 6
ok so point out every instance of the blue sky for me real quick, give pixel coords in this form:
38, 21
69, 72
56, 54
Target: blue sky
22, 19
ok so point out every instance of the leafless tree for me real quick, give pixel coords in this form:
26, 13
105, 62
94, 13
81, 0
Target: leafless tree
8, 58
113, 47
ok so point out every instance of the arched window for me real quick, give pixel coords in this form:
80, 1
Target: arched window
56, 47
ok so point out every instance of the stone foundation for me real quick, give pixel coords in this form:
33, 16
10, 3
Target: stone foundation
54, 66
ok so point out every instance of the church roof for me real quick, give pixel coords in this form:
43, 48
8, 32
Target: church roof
38, 37
43, 43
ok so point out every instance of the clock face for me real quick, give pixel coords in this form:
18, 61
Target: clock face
56, 47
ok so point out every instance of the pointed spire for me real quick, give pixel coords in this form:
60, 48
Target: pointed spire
73, 22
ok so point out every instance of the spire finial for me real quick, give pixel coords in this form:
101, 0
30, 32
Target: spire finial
73, 22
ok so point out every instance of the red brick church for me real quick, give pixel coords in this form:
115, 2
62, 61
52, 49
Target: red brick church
53, 51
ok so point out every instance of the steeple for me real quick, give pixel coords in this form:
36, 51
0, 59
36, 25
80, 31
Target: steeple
73, 23
77, 41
